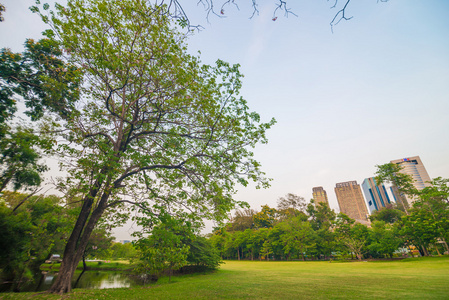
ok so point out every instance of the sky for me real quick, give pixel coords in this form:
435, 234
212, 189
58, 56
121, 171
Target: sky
373, 90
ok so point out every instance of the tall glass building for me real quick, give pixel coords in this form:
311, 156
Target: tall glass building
376, 195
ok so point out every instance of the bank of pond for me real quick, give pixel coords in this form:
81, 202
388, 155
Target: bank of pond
98, 275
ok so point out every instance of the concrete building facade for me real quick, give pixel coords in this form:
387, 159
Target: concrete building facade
350, 200
320, 195
376, 195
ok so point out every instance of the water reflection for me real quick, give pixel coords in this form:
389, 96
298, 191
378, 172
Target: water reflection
88, 280
48, 278
104, 280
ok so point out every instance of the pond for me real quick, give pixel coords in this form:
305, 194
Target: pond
89, 280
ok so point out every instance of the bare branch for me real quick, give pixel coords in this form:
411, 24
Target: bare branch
340, 13
37, 190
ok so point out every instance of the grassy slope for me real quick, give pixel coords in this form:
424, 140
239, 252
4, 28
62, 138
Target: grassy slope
423, 278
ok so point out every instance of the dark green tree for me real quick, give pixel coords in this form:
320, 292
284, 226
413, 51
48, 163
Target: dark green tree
384, 239
388, 215
30, 233
40, 76
44, 81
218, 240
323, 219
162, 251
19, 158
419, 229
202, 253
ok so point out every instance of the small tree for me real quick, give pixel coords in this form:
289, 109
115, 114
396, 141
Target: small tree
351, 236
384, 240
39, 76
202, 253
162, 250
266, 249
388, 215
322, 219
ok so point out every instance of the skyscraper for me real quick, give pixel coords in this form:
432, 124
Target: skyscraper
319, 195
351, 201
376, 195
414, 167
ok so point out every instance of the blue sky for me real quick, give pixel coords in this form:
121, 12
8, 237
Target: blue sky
374, 90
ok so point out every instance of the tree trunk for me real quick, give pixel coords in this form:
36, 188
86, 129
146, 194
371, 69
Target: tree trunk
424, 250
25, 199
5, 181
445, 245
78, 240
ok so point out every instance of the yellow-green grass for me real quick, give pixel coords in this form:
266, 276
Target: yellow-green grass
421, 278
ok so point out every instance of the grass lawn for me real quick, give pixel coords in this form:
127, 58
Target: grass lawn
418, 278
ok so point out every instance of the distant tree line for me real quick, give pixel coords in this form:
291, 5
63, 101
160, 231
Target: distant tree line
295, 230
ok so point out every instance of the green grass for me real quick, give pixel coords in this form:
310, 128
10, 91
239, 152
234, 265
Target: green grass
418, 278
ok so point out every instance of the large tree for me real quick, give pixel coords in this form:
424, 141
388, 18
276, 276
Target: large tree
155, 128
322, 219
433, 202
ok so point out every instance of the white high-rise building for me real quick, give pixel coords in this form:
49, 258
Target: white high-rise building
414, 167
